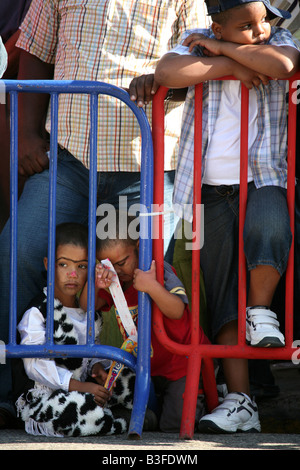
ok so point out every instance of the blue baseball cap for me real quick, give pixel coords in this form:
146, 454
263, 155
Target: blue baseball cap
217, 6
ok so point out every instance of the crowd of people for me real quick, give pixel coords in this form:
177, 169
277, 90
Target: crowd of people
140, 46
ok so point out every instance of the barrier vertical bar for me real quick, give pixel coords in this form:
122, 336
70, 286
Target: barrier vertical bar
242, 289
52, 216
195, 359
13, 215
196, 212
289, 287
92, 218
143, 376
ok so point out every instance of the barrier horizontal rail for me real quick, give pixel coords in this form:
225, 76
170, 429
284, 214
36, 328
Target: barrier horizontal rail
141, 364
195, 351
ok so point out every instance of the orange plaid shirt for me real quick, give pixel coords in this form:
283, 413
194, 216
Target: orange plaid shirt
111, 41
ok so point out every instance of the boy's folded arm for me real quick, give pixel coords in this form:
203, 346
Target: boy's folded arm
179, 71
281, 61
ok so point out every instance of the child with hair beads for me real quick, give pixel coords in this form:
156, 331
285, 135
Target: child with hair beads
59, 398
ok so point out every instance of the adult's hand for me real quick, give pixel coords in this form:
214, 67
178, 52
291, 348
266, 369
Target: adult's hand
33, 155
142, 89
33, 144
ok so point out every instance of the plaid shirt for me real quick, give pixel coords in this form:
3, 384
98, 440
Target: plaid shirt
293, 23
267, 155
111, 41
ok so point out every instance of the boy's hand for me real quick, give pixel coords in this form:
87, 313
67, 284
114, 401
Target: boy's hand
249, 77
103, 276
211, 47
143, 280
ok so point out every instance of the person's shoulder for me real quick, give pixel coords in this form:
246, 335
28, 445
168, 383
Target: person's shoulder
205, 31
282, 36
279, 32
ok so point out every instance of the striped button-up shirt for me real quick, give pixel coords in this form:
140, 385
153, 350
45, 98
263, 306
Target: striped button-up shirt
111, 41
293, 23
267, 155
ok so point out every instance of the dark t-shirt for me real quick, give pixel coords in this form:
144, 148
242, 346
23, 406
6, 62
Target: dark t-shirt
12, 13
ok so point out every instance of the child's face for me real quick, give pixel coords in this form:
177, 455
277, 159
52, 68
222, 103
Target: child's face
70, 272
124, 259
247, 25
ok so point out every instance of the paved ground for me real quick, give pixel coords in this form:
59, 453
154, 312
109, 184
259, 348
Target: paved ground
154, 443
280, 419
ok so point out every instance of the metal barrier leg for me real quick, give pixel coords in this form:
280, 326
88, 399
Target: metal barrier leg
190, 398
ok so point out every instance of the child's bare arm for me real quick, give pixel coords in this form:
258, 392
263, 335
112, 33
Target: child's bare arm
169, 304
179, 71
279, 62
103, 279
101, 394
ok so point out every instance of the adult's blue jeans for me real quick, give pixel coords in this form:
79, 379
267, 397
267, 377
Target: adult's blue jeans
267, 241
71, 206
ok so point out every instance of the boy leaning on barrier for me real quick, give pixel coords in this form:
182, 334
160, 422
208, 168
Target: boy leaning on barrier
168, 369
241, 43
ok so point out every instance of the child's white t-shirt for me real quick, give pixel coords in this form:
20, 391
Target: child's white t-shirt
45, 372
223, 154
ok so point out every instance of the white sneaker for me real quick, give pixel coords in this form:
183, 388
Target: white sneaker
236, 413
262, 328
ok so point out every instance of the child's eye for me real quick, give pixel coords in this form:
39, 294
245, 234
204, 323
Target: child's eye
62, 265
82, 266
121, 263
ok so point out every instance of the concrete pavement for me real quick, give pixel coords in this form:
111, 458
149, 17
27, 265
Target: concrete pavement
280, 420
154, 443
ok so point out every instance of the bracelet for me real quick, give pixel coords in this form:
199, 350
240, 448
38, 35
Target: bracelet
170, 94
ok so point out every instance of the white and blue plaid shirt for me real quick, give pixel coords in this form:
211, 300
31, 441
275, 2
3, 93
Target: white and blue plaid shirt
267, 155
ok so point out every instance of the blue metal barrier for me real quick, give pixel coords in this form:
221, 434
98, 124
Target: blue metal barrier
141, 364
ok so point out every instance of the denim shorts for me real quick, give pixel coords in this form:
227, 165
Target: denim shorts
267, 241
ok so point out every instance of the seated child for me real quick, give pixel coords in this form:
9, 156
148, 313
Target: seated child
168, 370
242, 43
58, 400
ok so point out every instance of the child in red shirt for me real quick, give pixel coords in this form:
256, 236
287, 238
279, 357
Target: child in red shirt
168, 370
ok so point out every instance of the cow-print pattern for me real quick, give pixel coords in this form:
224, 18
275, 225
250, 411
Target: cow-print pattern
61, 413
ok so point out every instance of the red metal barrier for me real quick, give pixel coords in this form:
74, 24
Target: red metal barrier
200, 356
